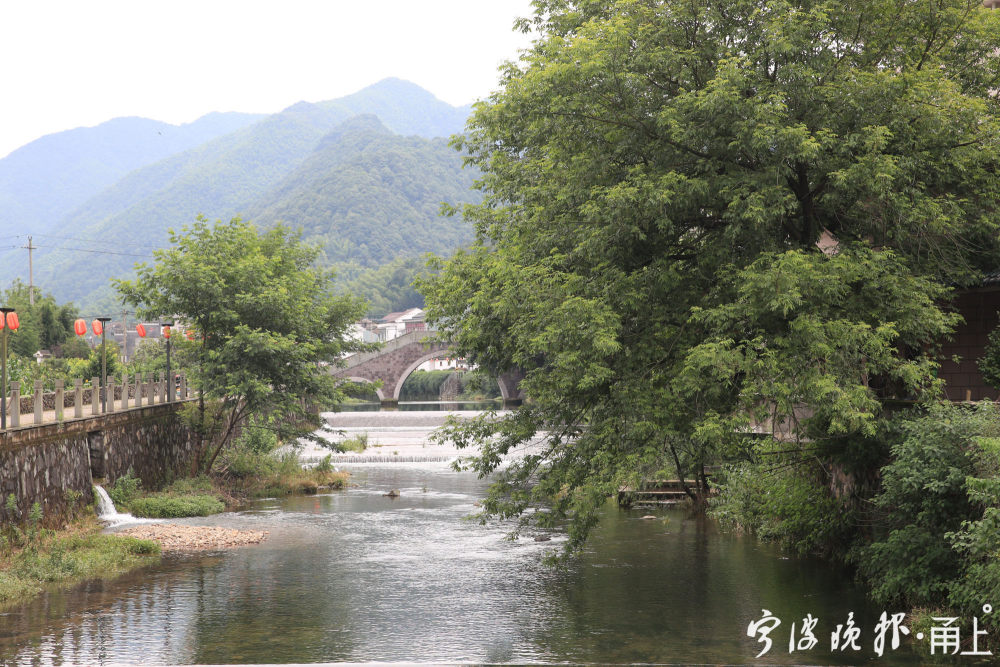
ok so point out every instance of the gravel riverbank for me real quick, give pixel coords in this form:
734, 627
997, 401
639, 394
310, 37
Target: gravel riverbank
174, 538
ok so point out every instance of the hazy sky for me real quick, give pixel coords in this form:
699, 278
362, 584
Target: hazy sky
72, 63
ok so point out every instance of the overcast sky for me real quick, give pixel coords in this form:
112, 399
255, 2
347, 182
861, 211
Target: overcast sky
73, 63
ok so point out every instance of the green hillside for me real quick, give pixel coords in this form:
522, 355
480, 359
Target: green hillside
368, 196
387, 288
248, 170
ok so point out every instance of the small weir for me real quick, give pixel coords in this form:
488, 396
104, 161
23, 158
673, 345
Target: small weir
389, 458
107, 512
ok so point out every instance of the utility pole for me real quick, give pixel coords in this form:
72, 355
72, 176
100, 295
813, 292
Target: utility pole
104, 365
123, 353
31, 275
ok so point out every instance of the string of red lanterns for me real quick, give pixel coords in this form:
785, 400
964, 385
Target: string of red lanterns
80, 327
9, 320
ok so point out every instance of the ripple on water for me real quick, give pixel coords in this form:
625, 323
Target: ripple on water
352, 576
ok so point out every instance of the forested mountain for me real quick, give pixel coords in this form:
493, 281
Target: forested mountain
387, 288
43, 181
367, 195
260, 169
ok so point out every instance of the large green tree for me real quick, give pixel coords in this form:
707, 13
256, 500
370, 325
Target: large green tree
45, 325
264, 321
659, 178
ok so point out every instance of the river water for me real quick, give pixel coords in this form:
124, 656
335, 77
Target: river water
355, 576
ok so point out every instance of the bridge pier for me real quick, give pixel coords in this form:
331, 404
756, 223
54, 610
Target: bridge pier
510, 403
389, 404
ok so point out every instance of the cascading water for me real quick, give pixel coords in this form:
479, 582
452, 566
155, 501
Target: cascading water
107, 512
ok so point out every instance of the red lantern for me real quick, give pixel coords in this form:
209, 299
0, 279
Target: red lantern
166, 332
97, 327
12, 322
80, 327
141, 330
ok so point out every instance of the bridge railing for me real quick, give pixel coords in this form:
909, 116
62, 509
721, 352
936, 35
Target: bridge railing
85, 399
408, 338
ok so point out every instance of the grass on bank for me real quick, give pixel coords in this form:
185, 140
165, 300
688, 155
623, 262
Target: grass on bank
358, 443
80, 552
253, 467
167, 507
185, 497
251, 474
257, 466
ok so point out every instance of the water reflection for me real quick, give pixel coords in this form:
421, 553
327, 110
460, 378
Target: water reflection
356, 576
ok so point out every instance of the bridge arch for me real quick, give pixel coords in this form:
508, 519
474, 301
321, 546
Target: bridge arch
377, 390
504, 392
398, 358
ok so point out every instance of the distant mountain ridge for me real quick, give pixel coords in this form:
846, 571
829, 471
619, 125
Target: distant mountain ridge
44, 180
364, 193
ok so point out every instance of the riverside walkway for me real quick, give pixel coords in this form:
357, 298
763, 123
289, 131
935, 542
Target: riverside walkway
77, 402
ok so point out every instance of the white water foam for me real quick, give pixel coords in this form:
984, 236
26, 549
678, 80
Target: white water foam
107, 512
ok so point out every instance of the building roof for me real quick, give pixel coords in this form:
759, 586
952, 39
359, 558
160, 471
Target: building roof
408, 314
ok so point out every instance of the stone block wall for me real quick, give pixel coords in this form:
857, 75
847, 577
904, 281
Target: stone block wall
41, 468
156, 445
39, 464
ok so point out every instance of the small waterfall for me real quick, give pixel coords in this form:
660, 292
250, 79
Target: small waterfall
106, 510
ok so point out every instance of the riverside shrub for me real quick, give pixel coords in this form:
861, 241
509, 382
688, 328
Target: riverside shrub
171, 507
934, 520
125, 489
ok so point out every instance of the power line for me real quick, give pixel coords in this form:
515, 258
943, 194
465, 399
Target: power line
100, 252
114, 243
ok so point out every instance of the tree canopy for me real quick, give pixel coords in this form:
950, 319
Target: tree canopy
264, 320
659, 178
44, 326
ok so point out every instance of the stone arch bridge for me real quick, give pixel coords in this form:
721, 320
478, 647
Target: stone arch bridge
399, 357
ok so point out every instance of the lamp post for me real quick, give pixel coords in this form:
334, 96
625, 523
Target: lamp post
98, 327
165, 328
3, 388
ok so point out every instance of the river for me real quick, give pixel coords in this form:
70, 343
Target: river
355, 576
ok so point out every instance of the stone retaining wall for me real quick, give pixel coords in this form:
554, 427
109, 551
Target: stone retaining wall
39, 464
